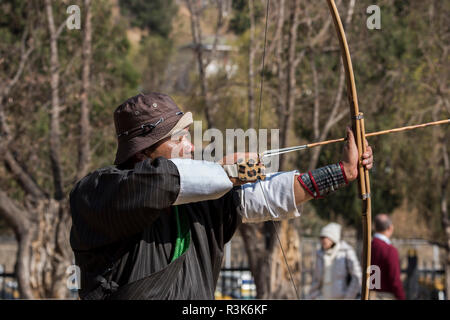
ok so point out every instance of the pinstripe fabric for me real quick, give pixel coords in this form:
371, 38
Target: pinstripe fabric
123, 233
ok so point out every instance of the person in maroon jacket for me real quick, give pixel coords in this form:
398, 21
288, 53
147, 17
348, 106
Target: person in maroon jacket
385, 256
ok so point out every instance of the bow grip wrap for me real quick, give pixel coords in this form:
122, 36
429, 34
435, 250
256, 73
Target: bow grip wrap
246, 170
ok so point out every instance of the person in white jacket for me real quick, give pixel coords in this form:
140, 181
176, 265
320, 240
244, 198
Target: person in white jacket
337, 272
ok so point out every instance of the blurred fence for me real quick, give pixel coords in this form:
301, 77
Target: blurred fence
425, 283
235, 283
8, 285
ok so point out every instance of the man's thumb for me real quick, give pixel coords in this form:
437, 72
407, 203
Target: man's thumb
348, 133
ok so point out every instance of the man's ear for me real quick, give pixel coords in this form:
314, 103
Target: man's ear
146, 153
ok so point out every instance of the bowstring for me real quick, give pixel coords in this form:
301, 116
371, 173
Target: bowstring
259, 126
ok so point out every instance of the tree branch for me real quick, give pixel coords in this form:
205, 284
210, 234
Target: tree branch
13, 213
219, 25
24, 179
25, 53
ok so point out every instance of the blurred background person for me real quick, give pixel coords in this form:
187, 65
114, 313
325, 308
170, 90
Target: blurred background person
385, 256
337, 272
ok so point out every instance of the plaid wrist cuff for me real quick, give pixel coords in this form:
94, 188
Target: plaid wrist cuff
323, 181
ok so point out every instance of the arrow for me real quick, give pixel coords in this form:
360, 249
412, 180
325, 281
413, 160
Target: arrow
275, 152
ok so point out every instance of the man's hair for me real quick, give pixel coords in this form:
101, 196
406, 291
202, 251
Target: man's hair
137, 157
382, 222
140, 156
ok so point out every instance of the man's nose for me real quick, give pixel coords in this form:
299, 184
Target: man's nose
188, 144
192, 148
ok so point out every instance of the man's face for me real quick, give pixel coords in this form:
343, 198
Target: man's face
176, 146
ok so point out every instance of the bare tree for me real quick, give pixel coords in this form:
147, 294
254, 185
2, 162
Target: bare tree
84, 154
336, 113
196, 8
17, 216
41, 220
55, 130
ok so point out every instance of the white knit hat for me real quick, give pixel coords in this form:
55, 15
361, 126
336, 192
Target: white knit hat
332, 231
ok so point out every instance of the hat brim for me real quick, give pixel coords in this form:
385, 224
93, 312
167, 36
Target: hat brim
127, 148
185, 121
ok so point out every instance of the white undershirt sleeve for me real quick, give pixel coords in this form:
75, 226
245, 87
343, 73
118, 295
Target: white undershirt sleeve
271, 199
200, 181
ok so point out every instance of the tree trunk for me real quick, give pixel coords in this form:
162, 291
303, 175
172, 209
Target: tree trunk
259, 248
55, 131
84, 149
271, 272
50, 253
286, 268
41, 229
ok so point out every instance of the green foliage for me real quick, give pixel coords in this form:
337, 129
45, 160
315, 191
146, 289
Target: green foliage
155, 15
13, 17
155, 52
240, 22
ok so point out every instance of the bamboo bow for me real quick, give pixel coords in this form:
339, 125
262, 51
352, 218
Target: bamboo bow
360, 136
359, 133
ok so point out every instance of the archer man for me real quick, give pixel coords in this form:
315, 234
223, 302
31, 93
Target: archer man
154, 226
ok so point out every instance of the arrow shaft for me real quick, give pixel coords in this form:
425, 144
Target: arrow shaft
274, 152
379, 133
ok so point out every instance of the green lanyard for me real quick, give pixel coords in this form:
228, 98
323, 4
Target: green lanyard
183, 235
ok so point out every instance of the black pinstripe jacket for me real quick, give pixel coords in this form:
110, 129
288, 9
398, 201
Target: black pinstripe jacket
123, 232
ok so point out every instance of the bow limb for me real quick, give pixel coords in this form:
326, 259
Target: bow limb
359, 133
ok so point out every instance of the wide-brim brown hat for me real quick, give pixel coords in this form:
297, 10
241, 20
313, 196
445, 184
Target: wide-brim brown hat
143, 120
